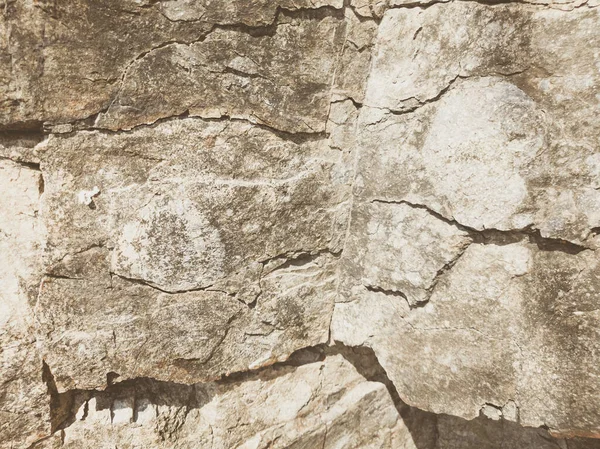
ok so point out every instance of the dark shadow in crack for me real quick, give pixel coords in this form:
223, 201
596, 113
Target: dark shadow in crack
140, 393
432, 431
428, 430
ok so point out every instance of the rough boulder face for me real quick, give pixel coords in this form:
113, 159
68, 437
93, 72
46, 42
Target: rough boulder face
470, 264
299, 224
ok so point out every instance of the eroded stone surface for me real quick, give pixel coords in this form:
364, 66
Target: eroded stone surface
492, 152
399, 249
323, 404
239, 75
486, 164
502, 325
24, 403
217, 175
64, 61
466, 127
223, 216
204, 60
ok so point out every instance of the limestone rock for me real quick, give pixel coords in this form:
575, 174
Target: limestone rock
324, 404
24, 403
206, 239
470, 127
492, 152
399, 249
299, 223
104, 61
502, 325
370, 8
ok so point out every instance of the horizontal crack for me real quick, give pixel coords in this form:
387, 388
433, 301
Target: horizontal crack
444, 91
399, 294
209, 288
30, 165
498, 236
296, 137
179, 394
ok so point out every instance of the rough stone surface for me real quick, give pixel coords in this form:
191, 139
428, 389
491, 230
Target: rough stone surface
469, 266
322, 404
504, 152
496, 339
233, 226
24, 403
299, 224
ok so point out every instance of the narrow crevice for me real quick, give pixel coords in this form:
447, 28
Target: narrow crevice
28, 137
295, 137
421, 103
30, 165
64, 406
270, 29
399, 294
445, 269
357, 105
489, 3
60, 403
497, 236
61, 276
296, 259
209, 288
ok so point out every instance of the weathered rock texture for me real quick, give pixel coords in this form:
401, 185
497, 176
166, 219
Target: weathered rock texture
299, 224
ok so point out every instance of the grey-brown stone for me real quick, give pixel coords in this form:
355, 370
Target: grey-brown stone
147, 232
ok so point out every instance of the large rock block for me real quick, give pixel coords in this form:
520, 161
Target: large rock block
469, 266
185, 232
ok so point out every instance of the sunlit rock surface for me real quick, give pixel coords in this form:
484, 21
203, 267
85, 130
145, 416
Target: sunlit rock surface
299, 224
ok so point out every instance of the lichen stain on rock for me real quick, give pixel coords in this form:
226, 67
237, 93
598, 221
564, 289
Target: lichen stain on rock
170, 244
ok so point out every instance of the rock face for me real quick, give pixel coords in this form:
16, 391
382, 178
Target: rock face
470, 259
299, 224
322, 404
24, 411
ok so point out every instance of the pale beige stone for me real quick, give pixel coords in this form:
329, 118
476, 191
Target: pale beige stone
24, 403
232, 185
399, 249
502, 325
493, 151
324, 404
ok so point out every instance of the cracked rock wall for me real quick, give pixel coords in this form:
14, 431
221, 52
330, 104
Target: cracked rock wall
299, 224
